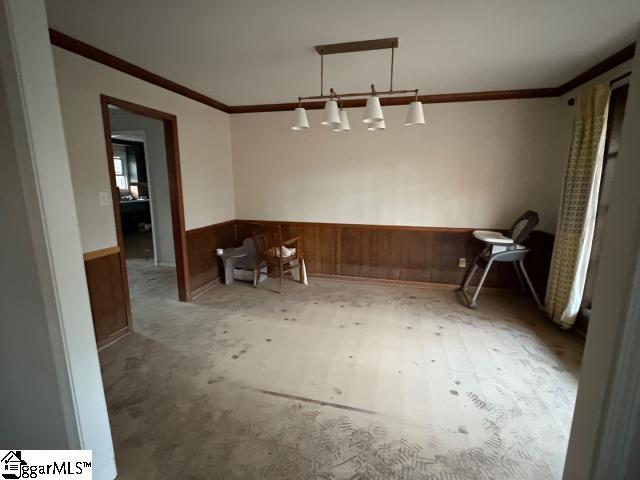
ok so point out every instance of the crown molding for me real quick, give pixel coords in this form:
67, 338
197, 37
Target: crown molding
83, 49
604, 66
389, 101
79, 47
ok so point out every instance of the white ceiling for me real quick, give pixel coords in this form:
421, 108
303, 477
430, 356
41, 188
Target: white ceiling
244, 52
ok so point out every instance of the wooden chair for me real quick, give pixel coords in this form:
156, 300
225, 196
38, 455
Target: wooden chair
277, 254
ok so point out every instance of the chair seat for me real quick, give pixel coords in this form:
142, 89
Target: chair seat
283, 252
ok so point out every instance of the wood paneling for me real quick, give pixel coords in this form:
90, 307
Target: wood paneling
204, 266
101, 253
107, 295
399, 253
378, 252
538, 261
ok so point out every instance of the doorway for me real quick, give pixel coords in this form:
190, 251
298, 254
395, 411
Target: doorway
139, 215
148, 227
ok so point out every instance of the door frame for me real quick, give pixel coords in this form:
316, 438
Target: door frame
170, 123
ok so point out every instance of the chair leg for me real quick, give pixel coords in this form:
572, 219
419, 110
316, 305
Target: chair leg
256, 275
473, 303
523, 288
301, 270
468, 276
470, 271
533, 290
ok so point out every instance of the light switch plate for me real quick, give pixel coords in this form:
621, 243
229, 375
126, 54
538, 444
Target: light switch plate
103, 198
462, 262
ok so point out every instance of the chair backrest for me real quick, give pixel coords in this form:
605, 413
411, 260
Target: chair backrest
265, 240
523, 226
249, 246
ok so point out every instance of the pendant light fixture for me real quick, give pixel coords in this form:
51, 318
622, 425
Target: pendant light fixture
331, 112
374, 127
335, 116
373, 110
343, 126
300, 120
415, 115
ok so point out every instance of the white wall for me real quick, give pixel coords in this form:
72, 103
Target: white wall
157, 178
204, 140
475, 164
52, 393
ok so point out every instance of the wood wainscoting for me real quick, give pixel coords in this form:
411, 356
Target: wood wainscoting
205, 268
108, 296
399, 253
381, 252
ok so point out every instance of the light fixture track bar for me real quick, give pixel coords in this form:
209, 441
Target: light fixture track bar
362, 46
361, 94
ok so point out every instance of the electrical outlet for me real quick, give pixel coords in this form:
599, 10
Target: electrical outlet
103, 199
462, 262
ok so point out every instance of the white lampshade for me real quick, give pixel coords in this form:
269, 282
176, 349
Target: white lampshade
343, 126
331, 113
377, 126
373, 112
300, 120
415, 115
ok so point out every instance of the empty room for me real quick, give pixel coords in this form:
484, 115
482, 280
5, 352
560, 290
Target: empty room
320, 240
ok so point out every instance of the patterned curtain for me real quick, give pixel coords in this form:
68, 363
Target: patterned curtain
578, 207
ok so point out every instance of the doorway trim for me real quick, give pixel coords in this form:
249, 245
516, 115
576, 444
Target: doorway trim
170, 123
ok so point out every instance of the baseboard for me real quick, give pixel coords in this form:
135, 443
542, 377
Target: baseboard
113, 338
401, 283
384, 281
207, 286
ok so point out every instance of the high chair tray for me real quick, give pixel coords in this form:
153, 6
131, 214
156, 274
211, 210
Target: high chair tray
495, 238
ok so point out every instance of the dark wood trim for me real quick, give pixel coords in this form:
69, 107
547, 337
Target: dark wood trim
207, 227
604, 66
115, 200
206, 287
177, 208
113, 338
387, 282
83, 49
405, 100
103, 252
170, 122
139, 109
74, 45
364, 225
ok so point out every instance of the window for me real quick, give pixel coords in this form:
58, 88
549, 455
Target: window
121, 179
120, 167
